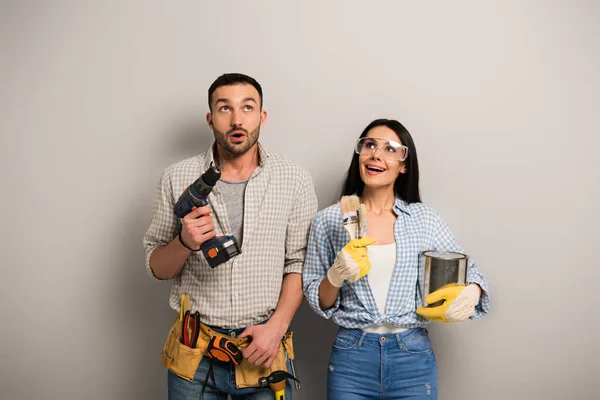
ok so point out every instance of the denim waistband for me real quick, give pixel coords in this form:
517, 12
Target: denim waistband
378, 337
232, 332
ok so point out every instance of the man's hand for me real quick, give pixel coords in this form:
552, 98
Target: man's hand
266, 339
351, 263
197, 227
459, 303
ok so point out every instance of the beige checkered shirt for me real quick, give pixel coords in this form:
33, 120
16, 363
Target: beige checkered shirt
279, 206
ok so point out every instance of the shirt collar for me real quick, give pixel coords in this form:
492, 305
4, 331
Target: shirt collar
401, 206
263, 155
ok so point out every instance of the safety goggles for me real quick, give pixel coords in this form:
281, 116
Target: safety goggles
388, 149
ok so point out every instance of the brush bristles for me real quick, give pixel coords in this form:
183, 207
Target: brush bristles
349, 204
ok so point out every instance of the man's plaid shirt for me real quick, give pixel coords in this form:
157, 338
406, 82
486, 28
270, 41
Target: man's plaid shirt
279, 205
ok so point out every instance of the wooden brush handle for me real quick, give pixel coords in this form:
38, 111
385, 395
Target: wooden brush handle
351, 229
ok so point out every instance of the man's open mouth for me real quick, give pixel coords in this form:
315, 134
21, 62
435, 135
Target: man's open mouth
237, 135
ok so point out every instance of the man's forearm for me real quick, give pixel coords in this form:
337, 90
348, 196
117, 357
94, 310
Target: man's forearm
289, 300
167, 261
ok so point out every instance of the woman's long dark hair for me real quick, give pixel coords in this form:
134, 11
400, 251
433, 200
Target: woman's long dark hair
407, 185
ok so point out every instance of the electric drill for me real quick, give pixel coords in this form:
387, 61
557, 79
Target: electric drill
219, 249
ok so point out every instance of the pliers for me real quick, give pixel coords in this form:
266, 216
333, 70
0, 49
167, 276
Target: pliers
188, 338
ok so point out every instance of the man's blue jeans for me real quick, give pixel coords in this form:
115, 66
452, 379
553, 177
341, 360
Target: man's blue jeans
224, 384
387, 366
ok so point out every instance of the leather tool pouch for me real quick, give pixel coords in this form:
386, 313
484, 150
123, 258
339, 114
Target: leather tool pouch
179, 358
183, 360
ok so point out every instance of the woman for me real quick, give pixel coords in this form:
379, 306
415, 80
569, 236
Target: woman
369, 286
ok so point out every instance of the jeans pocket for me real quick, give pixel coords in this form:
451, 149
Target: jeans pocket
344, 341
418, 342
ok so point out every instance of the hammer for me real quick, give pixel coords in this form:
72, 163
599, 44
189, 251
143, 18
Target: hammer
276, 381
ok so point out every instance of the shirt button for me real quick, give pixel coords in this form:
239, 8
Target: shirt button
232, 334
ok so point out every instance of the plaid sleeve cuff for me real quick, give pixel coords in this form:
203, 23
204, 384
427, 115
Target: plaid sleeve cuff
148, 269
484, 301
312, 294
293, 268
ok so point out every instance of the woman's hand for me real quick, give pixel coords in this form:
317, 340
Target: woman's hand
459, 303
351, 263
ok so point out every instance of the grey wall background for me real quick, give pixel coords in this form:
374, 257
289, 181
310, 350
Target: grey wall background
98, 97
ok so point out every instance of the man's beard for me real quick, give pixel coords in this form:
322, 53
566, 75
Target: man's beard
251, 139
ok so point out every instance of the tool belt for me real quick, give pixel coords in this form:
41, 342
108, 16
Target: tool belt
184, 360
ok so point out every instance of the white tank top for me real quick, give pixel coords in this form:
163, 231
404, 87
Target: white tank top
383, 260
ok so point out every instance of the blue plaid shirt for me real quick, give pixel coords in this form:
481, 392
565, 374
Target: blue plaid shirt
418, 227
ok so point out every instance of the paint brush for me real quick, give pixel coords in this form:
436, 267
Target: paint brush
362, 220
349, 206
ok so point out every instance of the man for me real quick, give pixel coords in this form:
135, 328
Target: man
267, 202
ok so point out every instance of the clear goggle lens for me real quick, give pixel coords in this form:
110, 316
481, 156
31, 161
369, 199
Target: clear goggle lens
388, 149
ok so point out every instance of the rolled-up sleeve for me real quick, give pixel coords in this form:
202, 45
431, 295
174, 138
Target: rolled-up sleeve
164, 225
445, 240
319, 258
305, 208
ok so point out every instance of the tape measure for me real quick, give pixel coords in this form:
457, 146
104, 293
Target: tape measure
221, 349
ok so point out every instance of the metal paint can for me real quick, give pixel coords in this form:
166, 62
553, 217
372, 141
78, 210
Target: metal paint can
439, 268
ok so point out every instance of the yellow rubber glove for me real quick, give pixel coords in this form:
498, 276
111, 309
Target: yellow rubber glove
459, 303
351, 263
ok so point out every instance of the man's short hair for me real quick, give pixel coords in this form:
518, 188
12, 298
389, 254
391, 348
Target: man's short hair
233, 79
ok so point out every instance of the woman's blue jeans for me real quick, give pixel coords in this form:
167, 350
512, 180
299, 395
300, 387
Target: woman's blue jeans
382, 366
